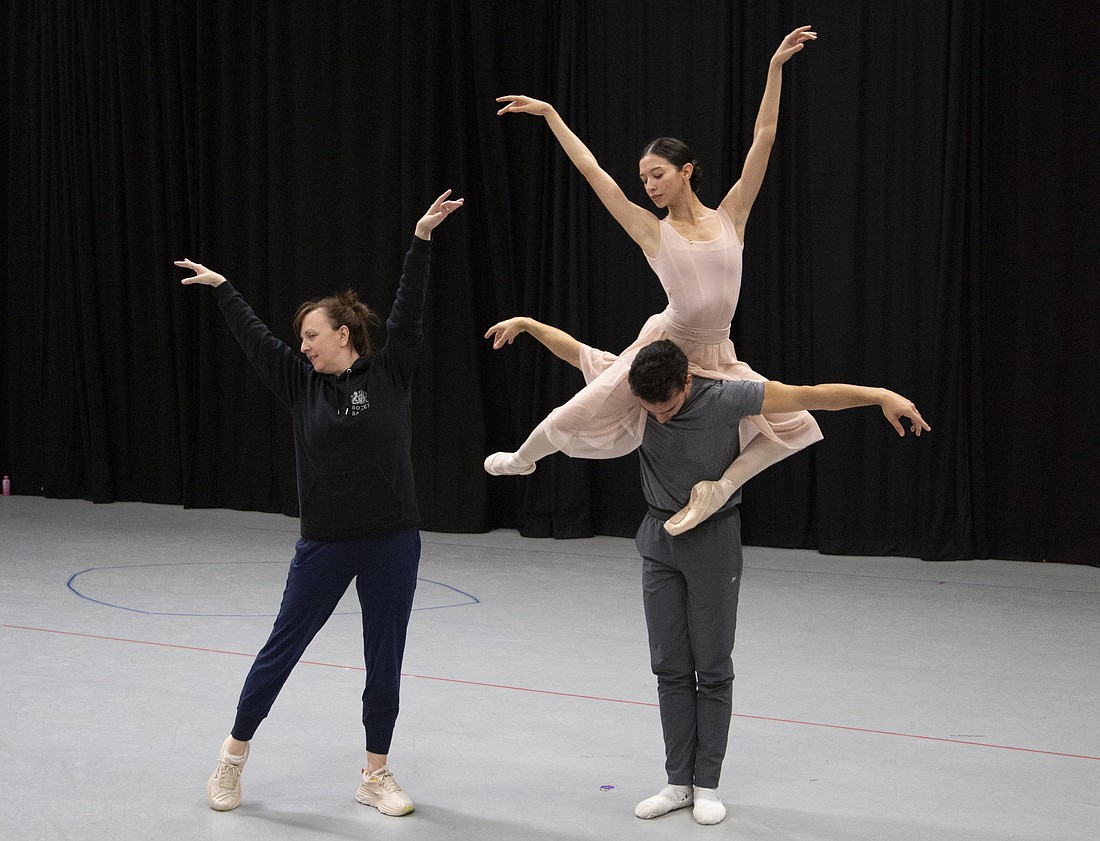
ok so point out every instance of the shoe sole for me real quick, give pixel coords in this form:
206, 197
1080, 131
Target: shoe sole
368, 800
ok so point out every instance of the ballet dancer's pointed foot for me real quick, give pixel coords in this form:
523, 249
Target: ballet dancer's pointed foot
706, 498
508, 464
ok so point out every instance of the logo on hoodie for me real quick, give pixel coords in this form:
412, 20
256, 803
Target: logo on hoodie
359, 402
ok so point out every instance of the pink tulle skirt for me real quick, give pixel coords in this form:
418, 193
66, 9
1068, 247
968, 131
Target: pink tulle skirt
605, 419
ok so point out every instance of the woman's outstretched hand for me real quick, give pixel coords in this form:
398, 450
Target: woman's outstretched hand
895, 407
504, 332
441, 208
793, 43
202, 274
524, 105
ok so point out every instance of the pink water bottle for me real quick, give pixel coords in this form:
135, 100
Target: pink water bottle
7, 486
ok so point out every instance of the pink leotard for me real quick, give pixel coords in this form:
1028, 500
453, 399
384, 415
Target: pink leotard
703, 282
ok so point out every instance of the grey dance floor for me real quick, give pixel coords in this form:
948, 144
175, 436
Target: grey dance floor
876, 698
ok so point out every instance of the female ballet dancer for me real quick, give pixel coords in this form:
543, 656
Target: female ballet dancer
696, 253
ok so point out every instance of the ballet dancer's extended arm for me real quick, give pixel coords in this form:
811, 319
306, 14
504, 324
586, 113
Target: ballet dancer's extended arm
404, 326
739, 200
832, 397
708, 496
276, 363
642, 226
440, 209
558, 342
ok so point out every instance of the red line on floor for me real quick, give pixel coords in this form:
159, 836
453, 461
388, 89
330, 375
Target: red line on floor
570, 694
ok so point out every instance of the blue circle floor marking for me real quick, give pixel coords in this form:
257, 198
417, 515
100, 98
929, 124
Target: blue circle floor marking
141, 589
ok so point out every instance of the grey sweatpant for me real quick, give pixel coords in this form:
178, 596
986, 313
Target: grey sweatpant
690, 586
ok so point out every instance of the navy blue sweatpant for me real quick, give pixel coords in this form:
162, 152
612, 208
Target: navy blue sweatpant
384, 568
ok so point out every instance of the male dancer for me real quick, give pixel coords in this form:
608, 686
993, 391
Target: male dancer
691, 581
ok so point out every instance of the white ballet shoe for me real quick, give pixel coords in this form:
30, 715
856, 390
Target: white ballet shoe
709, 808
668, 799
706, 498
507, 464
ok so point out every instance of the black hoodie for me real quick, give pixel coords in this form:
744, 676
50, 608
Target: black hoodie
352, 431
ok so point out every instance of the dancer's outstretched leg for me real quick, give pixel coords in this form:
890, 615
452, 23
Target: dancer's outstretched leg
707, 497
522, 461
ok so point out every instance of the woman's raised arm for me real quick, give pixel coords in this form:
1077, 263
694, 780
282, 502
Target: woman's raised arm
642, 226
739, 200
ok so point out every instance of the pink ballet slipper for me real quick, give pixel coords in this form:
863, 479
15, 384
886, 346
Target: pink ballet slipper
706, 498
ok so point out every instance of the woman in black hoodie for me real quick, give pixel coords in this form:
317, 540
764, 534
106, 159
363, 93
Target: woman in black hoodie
350, 406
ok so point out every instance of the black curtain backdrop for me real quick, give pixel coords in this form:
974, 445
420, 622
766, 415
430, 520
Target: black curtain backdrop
927, 224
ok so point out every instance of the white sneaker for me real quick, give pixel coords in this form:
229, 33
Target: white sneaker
709, 808
381, 791
223, 789
668, 799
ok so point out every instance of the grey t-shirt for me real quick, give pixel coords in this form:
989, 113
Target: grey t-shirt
698, 443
